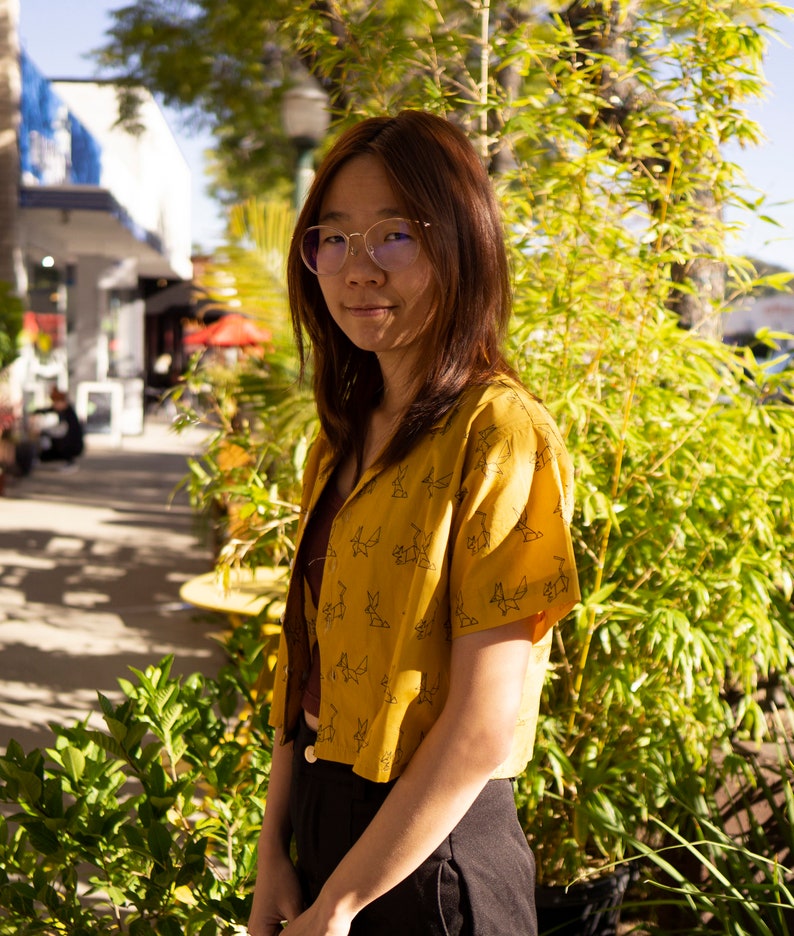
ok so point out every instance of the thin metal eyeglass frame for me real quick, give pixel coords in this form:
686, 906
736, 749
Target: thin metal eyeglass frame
350, 251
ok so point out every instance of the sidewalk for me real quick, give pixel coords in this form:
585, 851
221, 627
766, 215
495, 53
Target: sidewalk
91, 563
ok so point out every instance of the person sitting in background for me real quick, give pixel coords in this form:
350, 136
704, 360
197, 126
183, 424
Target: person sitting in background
62, 442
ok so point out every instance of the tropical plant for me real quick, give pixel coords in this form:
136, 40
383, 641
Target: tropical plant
687, 588
682, 540
247, 273
246, 482
727, 867
149, 824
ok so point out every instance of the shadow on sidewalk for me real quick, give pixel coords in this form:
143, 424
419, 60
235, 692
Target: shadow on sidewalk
91, 563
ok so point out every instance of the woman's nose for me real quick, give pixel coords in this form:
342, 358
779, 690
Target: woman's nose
359, 265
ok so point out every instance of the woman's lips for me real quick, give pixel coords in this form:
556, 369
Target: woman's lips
366, 311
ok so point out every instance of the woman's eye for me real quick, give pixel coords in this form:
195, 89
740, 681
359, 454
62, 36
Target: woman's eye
398, 236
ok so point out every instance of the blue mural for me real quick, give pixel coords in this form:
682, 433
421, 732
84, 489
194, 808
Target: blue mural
55, 148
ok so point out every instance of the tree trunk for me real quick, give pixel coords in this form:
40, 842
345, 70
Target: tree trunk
11, 269
607, 31
705, 279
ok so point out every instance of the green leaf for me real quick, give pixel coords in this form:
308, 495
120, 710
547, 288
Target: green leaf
42, 838
159, 842
74, 762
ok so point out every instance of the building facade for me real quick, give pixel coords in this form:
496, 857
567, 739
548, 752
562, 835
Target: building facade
94, 219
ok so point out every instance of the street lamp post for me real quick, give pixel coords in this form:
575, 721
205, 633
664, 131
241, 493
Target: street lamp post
306, 120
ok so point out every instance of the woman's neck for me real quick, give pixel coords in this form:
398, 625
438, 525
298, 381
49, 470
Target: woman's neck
383, 421
400, 385
392, 407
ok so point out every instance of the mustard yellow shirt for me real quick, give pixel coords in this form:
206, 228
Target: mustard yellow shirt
469, 532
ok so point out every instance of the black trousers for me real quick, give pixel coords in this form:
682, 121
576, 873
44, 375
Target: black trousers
480, 881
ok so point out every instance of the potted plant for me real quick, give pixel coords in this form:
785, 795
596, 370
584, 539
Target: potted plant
684, 475
681, 531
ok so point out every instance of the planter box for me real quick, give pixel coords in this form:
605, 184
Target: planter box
590, 908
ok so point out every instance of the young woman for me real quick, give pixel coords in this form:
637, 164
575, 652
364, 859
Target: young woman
433, 559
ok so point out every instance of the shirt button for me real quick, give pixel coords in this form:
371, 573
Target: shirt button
309, 754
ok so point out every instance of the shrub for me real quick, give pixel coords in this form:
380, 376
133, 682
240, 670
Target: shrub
148, 825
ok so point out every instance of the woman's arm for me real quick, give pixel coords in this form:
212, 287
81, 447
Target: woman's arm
471, 738
277, 894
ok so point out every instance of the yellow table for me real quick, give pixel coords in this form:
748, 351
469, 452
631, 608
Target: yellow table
245, 593
239, 593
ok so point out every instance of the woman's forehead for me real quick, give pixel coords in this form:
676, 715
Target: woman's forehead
360, 187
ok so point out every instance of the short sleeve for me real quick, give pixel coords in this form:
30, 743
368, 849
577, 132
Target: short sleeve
512, 555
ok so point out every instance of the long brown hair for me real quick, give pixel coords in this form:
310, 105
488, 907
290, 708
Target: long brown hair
435, 170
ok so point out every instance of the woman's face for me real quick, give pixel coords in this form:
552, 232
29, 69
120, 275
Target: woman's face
384, 312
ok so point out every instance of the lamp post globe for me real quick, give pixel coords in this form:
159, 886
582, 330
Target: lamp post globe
305, 118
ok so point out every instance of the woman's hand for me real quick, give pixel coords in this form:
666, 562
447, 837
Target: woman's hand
319, 920
277, 897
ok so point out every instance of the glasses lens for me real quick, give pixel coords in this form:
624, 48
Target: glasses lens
324, 250
393, 244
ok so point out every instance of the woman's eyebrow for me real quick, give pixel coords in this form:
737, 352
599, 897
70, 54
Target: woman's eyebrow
340, 216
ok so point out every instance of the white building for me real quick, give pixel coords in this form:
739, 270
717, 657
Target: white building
773, 313
102, 221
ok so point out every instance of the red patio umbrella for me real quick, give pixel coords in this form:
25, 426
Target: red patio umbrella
231, 331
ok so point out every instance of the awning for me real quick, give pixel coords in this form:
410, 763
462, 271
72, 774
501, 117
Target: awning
73, 221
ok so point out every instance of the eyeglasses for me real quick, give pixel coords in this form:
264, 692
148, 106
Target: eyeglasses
392, 244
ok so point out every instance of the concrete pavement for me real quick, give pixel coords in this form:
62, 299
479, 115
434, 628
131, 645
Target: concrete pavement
91, 563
